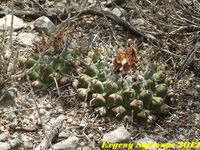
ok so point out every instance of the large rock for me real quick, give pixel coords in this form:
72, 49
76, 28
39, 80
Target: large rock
118, 135
44, 24
68, 144
6, 21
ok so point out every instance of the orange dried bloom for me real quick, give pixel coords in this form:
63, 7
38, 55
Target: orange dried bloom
126, 59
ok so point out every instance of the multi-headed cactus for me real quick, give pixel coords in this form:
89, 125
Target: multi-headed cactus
105, 90
48, 69
113, 95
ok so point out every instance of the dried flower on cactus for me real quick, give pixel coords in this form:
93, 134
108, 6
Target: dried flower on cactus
126, 59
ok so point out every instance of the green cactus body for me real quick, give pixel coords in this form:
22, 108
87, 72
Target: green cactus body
58, 64
97, 100
169, 81
156, 103
143, 93
118, 111
63, 80
102, 76
137, 87
149, 84
151, 67
102, 110
114, 100
169, 96
146, 97
164, 109
37, 84
92, 71
84, 81
97, 86
128, 94
161, 90
45, 71
144, 114
30, 62
68, 67
159, 77
33, 75
136, 105
110, 87
122, 84
82, 93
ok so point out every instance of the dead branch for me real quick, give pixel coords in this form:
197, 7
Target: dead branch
44, 145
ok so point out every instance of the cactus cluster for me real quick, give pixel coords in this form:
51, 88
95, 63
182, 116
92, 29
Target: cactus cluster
105, 90
117, 96
48, 69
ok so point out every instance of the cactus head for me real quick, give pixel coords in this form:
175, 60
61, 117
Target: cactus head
92, 71
84, 81
118, 111
82, 93
128, 94
161, 90
110, 86
97, 86
114, 100
136, 105
159, 77
97, 100
102, 110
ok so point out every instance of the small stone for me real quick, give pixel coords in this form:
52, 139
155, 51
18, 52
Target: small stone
64, 134
44, 24
11, 116
118, 11
118, 135
137, 22
15, 142
9, 94
68, 144
144, 141
6, 22
4, 136
26, 38
28, 145
4, 146
86, 148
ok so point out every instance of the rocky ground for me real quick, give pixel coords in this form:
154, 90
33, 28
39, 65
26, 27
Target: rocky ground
31, 117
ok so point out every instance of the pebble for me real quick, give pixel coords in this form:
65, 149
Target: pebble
4, 136
118, 11
86, 148
44, 24
137, 22
15, 142
26, 38
28, 145
9, 94
18, 23
68, 144
4, 146
118, 135
143, 141
64, 134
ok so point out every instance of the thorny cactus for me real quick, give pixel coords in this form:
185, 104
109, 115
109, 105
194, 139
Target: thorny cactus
113, 95
48, 70
103, 88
